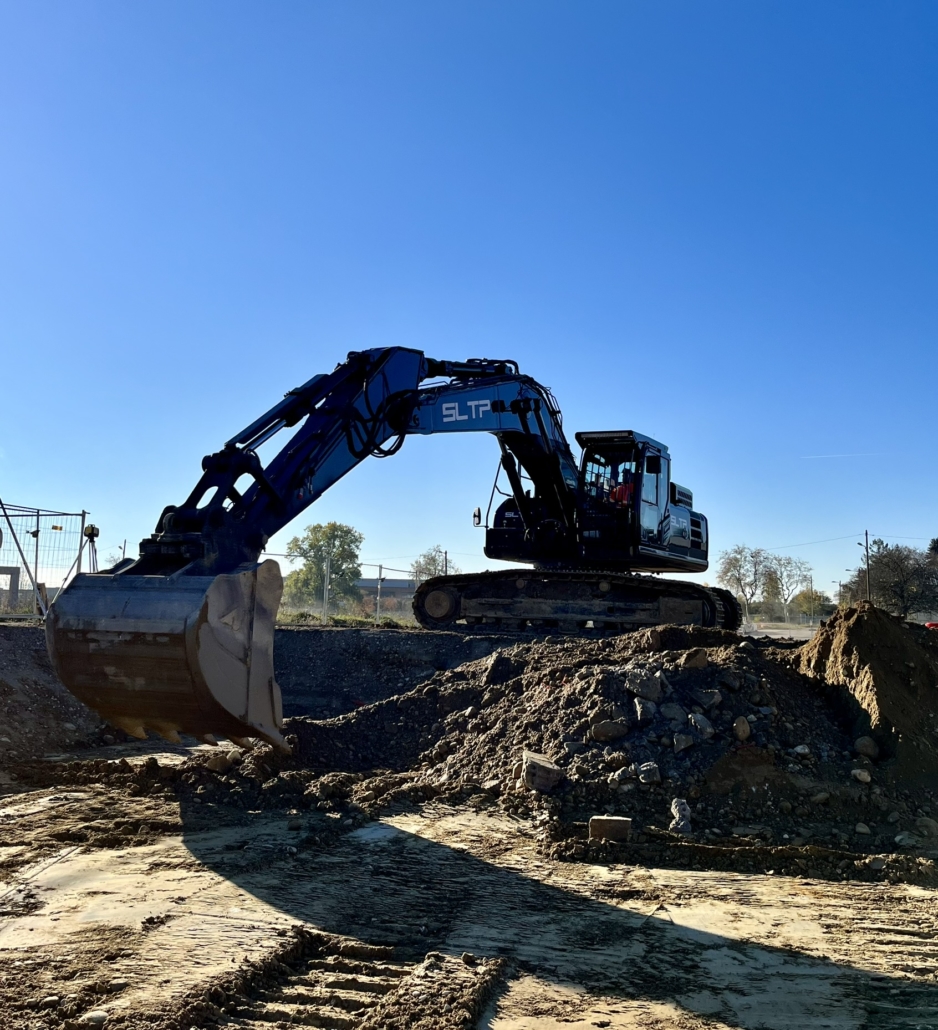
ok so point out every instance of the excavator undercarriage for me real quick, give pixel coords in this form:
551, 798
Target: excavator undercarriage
569, 602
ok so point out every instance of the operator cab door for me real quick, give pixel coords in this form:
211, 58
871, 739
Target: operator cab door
653, 514
608, 503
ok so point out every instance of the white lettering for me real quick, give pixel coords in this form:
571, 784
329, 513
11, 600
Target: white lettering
451, 413
484, 406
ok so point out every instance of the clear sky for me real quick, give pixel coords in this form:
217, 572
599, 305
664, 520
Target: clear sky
712, 222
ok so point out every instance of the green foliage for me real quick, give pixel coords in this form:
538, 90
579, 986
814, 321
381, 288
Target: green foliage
303, 587
432, 563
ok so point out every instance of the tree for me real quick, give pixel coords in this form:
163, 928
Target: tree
788, 575
742, 569
303, 588
432, 562
813, 603
903, 580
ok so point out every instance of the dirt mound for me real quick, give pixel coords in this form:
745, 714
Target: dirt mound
37, 714
890, 670
627, 726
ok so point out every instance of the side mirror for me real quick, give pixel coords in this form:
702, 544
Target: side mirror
477, 517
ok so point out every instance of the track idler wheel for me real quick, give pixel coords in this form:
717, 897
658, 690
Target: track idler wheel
436, 604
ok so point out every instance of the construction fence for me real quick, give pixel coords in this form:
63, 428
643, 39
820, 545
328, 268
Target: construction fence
39, 551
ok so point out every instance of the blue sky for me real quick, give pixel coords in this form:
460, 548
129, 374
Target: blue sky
711, 222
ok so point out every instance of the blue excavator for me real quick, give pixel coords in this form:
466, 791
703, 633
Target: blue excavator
180, 639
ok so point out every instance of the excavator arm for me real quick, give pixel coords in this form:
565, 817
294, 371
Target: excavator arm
181, 638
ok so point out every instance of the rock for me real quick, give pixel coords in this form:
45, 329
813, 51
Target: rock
877, 863
741, 728
69, 727
573, 747
516, 770
50, 1002
907, 840
821, 798
673, 713
118, 984
701, 724
893, 817
926, 827
365, 798
501, 668
610, 827
617, 760
235, 756
681, 812
867, 747
862, 828
648, 687
539, 772
802, 749
745, 645
785, 806
729, 679
219, 763
645, 710
607, 730
861, 775
707, 698
108, 739
696, 658
648, 772
96, 1017
682, 741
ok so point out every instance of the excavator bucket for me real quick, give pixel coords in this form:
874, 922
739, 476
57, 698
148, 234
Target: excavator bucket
175, 654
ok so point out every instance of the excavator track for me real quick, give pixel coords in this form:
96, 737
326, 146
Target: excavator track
572, 602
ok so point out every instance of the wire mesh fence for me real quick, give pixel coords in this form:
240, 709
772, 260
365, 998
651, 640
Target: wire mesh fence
39, 550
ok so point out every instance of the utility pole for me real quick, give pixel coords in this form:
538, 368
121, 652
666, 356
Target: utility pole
378, 599
446, 563
325, 589
811, 588
869, 592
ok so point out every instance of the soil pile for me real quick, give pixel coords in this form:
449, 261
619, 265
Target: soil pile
627, 727
37, 714
889, 670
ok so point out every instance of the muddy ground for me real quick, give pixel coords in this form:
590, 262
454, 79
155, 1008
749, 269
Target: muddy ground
397, 870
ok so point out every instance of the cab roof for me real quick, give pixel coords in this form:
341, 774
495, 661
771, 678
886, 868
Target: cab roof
619, 437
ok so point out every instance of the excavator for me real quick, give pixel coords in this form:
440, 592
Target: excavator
180, 639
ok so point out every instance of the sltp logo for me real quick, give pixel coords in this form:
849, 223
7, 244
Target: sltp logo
477, 410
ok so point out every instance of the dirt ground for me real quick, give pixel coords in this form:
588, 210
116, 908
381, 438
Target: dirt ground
394, 872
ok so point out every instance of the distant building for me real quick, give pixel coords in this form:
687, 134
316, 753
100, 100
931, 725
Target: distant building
389, 587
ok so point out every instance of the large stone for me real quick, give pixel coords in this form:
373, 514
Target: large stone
728, 678
701, 724
861, 775
681, 812
648, 772
673, 713
645, 711
863, 829
926, 827
867, 747
707, 698
607, 730
610, 827
539, 773
96, 1017
741, 729
647, 687
219, 763
682, 741
694, 659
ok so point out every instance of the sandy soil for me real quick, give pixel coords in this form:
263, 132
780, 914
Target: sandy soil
176, 915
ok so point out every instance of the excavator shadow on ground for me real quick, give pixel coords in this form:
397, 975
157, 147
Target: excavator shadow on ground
634, 946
